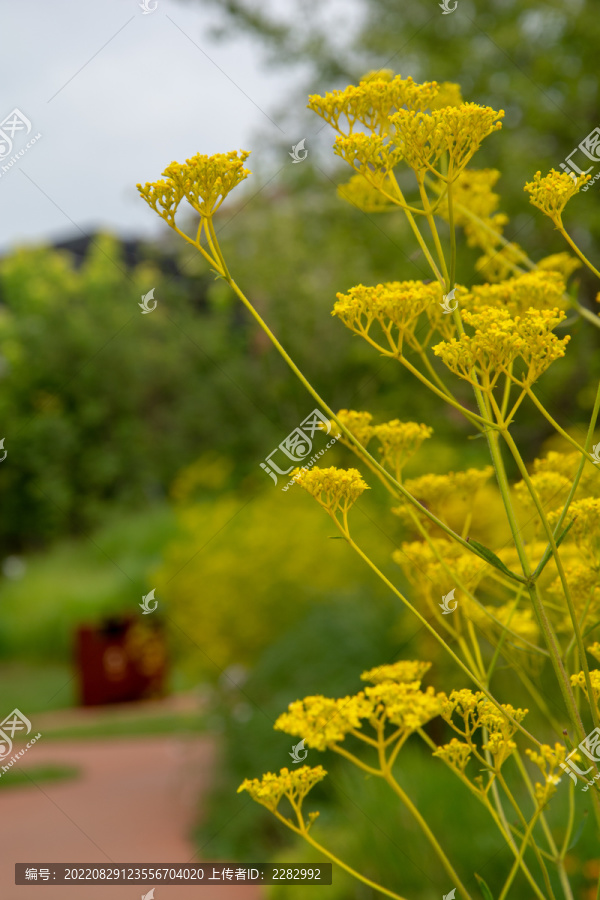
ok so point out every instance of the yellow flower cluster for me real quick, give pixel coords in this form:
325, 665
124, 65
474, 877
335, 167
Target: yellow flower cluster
361, 193
393, 305
323, 721
563, 263
394, 696
566, 464
584, 588
537, 290
448, 94
458, 131
371, 102
456, 754
359, 423
399, 441
434, 491
204, 181
371, 155
406, 670
499, 341
474, 204
476, 711
404, 704
552, 192
548, 760
594, 650
585, 515
294, 785
551, 489
578, 680
333, 488
426, 566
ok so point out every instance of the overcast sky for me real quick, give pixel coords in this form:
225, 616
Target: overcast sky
117, 95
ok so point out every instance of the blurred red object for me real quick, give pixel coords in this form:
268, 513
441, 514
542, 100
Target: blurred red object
120, 660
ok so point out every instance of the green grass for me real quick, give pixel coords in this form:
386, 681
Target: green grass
138, 726
35, 688
36, 774
81, 581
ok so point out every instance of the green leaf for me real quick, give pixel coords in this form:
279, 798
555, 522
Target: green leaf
548, 551
487, 894
493, 560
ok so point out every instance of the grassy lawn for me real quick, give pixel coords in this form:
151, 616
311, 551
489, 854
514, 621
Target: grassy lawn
38, 774
80, 581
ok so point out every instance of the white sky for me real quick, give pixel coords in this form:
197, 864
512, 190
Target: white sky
118, 95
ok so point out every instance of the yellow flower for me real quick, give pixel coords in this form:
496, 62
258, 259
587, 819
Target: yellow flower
406, 670
203, 180
429, 575
448, 95
548, 760
456, 754
404, 704
370, 103
584, 588
499, 340
333, 488
163, 197
552, 192
361, 193
488, 353
566, 464
393, 305
563, 263
324, 721
538, 290
550, 487
594, 649
435, 491
359, 423
540, 346
294, 785
457, 130
399, 441
579, 681
371, 155
472, 195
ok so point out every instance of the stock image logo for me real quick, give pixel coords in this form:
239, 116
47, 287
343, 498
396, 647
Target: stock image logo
297, 445
446, 302
13, 127
297, 752
147, 8
297, 149
445, 604
446, 10
5, 454
595, 453
145, 604
15, 121
590, 747
145, 304
590, 148
13, 723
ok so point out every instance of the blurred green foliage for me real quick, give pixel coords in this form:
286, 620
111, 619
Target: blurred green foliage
247, 564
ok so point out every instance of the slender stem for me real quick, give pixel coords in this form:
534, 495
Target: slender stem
557, 559
572, 244
302, 830
389, 778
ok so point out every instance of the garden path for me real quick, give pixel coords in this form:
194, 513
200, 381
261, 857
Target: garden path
135, 800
